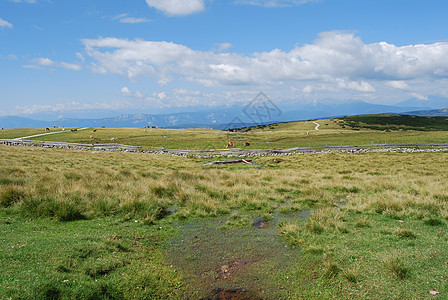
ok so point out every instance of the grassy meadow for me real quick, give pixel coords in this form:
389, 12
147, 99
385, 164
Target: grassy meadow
87, 225
345, 131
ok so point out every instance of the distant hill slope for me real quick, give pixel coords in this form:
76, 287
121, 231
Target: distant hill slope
396, 122
443, 112
20, 122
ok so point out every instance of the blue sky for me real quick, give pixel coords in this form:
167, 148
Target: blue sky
59, 56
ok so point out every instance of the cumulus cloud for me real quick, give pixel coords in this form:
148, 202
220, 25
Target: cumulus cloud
5, 24
125, 91
337, 58
273, 3
177, 7
45, 62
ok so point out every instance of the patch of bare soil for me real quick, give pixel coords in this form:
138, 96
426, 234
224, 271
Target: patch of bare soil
227, 271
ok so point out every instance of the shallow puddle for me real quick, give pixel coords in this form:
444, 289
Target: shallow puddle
231, 263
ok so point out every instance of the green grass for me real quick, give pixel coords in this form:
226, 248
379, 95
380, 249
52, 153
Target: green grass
358, 130
79, 225
396, 122
94, 259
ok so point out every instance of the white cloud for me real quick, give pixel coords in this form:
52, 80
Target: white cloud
5, 24
125, 91
71, 106
44, 62
80, 57
356, 86
419, 96
132, 20
223, 47
273, 3
398, 84
337, 58
177, 7
24, 1
9, 57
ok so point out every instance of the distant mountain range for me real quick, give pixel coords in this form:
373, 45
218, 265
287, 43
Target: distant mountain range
238, 116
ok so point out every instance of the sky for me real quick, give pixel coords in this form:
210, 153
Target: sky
58, 57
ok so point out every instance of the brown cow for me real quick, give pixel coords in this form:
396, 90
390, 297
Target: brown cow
92, 137
246, 144
231, 144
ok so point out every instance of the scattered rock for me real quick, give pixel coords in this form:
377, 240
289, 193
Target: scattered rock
434, 292
259, 223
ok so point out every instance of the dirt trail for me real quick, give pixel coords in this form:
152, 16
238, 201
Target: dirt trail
43, 134
317, 125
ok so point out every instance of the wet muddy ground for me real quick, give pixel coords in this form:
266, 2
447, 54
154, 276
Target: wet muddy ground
222, 262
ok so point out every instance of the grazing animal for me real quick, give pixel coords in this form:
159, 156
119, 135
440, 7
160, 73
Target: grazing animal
231, 144
47, 129
92, 137
94, 130
246, 144
63, 129
112, 139
73, 130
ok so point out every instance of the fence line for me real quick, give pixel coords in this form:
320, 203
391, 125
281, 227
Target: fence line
236, 152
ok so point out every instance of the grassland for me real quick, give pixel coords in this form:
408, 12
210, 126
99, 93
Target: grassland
83, 225
346, 131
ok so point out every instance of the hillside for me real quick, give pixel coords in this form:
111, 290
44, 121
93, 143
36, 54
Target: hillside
358, 130
396, 122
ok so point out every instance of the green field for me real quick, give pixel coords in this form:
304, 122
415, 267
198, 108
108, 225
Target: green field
359, 130
110, 225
